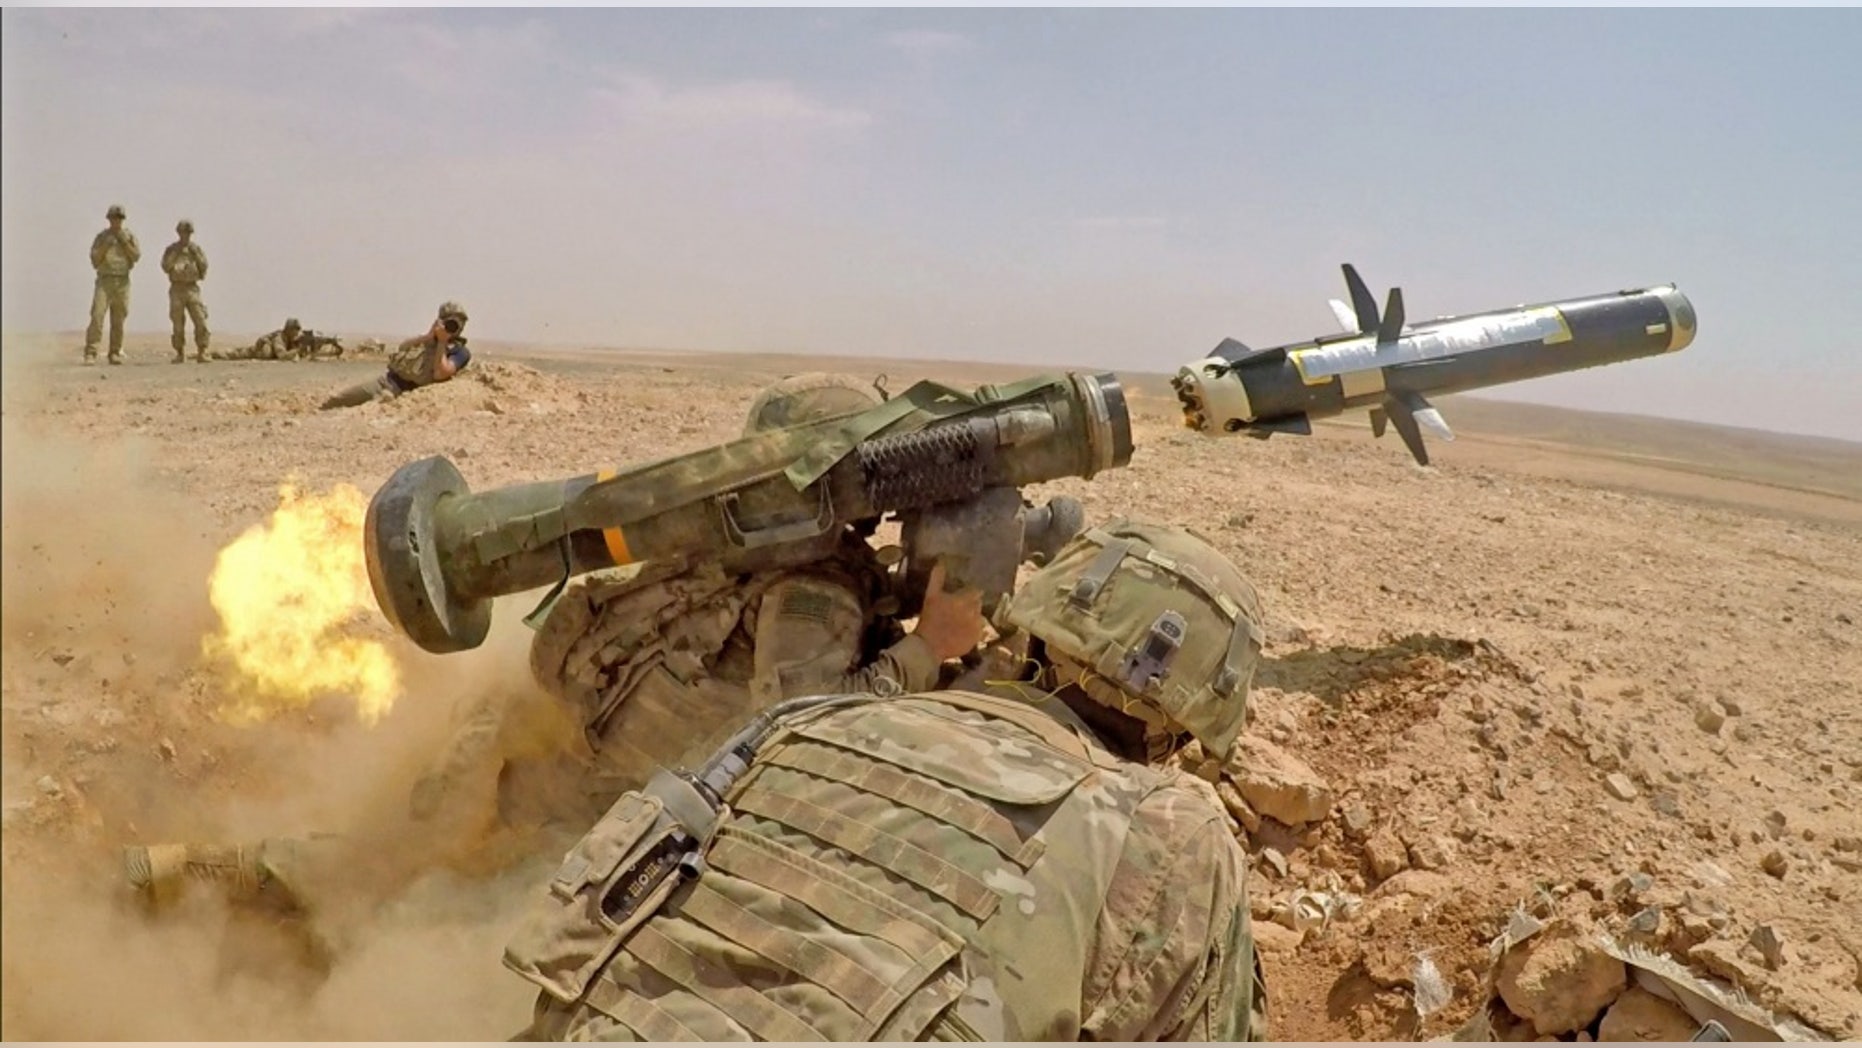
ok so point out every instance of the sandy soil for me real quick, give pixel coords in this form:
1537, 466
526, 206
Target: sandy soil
1464, 654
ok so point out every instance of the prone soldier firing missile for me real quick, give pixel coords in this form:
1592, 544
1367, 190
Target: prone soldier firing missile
654, 664
650, 667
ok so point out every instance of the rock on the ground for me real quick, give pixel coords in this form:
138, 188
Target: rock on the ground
1386, 853
1620, 786
1766, 941
1274, 861
1639, 1015
1275, 938
1432, 853
1278, 784
1238, 807
1357, 819
1559, 980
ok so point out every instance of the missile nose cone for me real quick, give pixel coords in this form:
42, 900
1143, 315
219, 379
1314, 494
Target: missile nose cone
1681, 318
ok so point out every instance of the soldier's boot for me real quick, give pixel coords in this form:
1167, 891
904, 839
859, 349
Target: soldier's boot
201, 356
180, 353
160, 872
90, 356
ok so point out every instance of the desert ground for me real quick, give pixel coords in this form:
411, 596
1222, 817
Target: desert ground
1597, 669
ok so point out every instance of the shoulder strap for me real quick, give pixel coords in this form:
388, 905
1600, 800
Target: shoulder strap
1057, 735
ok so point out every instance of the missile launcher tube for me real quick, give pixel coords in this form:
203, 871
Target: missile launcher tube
438, 553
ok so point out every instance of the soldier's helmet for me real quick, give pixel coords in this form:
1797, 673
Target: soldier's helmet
116, 211
291, 324
808, 397
1152, 622
186, 225
449, 308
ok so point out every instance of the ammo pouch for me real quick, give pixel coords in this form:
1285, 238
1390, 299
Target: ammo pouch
612, 881
605, 635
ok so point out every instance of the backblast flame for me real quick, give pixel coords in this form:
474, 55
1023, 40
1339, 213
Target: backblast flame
290, 594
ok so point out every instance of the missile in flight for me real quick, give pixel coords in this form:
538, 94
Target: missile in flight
1386, 365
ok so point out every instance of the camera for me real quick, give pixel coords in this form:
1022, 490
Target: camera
451, 324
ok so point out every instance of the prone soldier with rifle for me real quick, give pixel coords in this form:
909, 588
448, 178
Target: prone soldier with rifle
312, 345
291, 342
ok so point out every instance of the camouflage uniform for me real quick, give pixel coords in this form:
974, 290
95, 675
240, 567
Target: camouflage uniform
186, 265
945, 866
411, 365
281, 344
114, 252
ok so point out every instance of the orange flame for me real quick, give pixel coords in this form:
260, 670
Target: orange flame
289, 593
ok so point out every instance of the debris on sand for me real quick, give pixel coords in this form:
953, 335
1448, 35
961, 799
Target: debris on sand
1569, 979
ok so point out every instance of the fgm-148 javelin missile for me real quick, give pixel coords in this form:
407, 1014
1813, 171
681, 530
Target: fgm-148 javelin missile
1385, 365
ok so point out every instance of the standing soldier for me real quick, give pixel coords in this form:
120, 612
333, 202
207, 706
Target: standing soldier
114, 253
186, 266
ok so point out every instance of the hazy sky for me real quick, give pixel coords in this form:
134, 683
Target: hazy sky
1062, 187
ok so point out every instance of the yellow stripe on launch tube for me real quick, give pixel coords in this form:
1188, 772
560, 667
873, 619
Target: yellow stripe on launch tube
617, 542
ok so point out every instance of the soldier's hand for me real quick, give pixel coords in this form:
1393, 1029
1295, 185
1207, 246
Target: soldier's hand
951, 623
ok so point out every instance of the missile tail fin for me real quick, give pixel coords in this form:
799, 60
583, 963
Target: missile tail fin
1347, 320
1235, 352
1362, 304
1378, 421
1284, 424
1392, 327
1405, 424
1432, 420
1403, 409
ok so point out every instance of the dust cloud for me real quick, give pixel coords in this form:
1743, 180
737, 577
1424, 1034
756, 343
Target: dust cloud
105, 608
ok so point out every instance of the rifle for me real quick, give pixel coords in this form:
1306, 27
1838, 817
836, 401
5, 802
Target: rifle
311, 344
